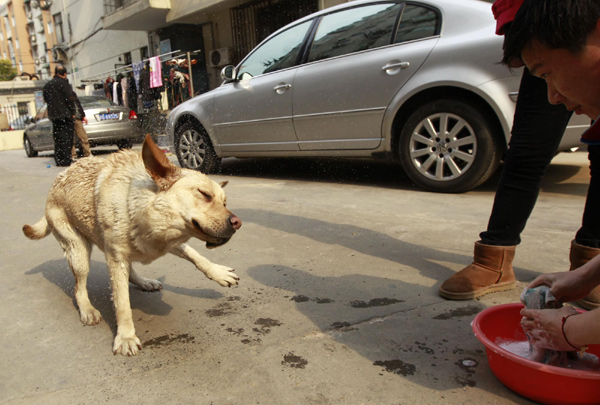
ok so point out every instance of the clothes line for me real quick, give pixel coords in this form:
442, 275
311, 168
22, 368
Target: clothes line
99, 76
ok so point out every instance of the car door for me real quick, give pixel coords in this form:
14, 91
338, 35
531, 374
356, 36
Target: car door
40, 134
254, 113
359, 59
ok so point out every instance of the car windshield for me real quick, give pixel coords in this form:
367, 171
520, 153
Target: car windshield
91, 102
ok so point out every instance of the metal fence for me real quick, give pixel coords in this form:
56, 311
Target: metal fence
17, 115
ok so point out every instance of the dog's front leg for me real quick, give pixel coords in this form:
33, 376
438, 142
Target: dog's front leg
126, 342
223, 275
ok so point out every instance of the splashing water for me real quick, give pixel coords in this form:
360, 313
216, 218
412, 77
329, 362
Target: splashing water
582, 362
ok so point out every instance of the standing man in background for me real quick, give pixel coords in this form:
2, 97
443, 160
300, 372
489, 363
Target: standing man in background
60, 98
80, 119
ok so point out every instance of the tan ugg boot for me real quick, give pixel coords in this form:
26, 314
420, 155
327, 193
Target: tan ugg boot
579, 256
490, 271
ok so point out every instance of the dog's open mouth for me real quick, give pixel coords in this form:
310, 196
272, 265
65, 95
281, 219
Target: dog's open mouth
211, 241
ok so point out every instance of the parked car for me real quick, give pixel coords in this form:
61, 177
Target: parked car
416, 82
108, 123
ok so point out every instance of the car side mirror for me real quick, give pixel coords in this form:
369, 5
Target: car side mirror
228, 73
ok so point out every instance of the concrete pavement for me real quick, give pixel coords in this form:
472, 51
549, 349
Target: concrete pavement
337, 304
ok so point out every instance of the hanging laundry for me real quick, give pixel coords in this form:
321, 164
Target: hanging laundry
124, 89
137, 68
155, 72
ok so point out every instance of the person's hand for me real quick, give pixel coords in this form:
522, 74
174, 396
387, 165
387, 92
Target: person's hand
543, 327
565, 286
84, 120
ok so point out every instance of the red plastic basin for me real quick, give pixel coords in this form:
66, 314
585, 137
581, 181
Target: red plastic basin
539, 382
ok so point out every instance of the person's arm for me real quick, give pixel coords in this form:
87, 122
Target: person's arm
571, 285
546, 329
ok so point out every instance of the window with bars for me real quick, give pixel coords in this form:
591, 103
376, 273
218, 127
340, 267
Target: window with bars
254, 21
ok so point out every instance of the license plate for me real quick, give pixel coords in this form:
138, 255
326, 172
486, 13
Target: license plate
108, 116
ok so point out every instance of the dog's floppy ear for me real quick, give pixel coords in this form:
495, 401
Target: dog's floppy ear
223, 183
158, 165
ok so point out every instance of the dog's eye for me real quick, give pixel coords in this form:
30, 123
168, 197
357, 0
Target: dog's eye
206, 196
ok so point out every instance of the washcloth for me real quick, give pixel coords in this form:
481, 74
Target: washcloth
542, 298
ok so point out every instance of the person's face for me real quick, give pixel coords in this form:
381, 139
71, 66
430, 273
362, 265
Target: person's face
572, 79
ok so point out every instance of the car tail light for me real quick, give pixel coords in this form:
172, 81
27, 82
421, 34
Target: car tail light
132, 115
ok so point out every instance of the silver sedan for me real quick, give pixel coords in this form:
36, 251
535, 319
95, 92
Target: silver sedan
108, 123
416, 82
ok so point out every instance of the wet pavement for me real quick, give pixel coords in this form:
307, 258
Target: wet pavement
339, 262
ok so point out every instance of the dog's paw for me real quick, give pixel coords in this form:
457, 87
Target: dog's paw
147, 284
223, 275
127, 346
90, 317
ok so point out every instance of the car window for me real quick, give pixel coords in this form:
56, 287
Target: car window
354, 30
416, 23
280, 52
92, 102
42, 113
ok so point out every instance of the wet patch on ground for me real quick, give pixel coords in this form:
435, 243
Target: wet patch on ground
469, 310
168, 339
220, 310
397, 366
294, 361
375, 302
304, 298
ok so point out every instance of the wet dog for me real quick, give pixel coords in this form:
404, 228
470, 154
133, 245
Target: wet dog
135, 208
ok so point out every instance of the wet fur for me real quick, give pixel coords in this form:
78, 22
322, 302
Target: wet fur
135, 208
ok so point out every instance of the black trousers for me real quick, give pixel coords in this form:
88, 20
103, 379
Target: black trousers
537, 131
62, 131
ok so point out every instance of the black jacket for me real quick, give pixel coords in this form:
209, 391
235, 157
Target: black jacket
60, 98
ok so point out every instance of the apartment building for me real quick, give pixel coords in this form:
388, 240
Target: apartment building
220, 31
24, 36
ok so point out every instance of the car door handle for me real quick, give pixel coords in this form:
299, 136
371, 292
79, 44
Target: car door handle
399, 65
282, 88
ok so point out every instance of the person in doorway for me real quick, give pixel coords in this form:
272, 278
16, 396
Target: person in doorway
59, 97
537, 131
559, 42
80, 119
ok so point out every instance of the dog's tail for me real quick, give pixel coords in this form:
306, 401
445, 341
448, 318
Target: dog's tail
37, 231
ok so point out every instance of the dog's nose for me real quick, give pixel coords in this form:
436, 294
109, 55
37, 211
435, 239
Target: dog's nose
235, 222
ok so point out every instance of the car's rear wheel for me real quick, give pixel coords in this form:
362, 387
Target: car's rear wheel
29, 147
195, 150
448, 146
125, 143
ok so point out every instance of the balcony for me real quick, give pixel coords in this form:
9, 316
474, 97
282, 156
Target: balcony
135, 15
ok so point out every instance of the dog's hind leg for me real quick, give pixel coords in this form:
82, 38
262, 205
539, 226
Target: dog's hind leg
144, 284
77, 250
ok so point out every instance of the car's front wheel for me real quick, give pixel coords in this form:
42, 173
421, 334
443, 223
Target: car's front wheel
195, 150
29, 147
448, 146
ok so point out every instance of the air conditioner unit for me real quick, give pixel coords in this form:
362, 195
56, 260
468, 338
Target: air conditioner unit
30, 15
219, 57
37, 61
59, 55
43, 58
33, 39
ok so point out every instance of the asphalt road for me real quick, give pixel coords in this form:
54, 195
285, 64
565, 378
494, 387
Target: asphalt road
337, 304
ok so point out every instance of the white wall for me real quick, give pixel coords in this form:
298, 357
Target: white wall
95, 53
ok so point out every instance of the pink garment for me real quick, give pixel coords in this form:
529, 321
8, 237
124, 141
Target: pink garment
124, 91
504, 13
155, 72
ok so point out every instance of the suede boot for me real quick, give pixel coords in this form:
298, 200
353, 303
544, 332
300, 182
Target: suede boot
490, 271
579, 256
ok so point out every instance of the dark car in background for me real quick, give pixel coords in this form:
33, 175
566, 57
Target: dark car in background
108, 123
417, 82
